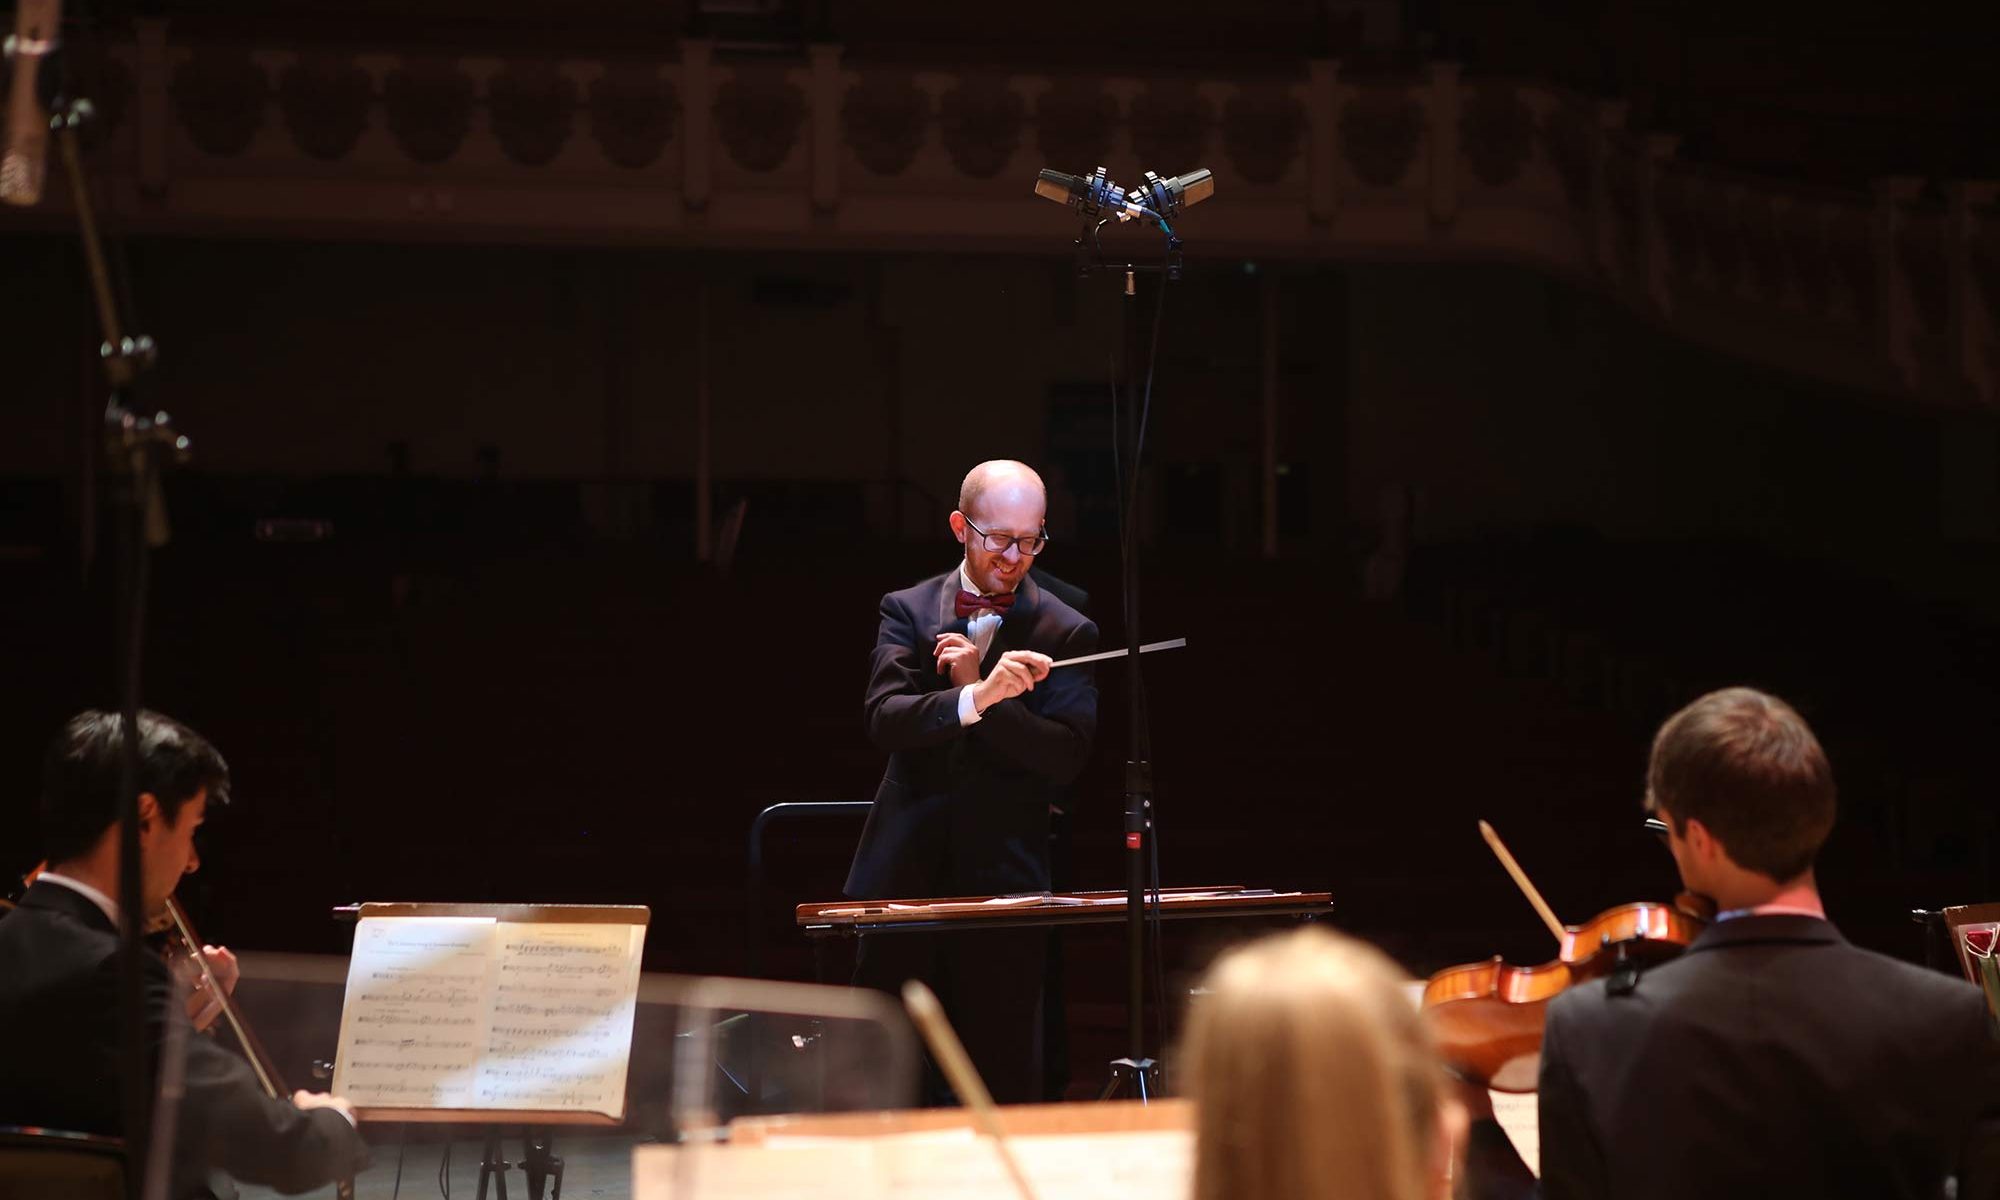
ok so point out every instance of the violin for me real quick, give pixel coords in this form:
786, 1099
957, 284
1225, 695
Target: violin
1487, 1017
184, 943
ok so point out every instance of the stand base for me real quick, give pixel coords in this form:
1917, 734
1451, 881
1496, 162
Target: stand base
1133, 1079
541, 1165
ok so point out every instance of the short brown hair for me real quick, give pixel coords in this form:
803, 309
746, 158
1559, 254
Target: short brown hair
1747, 766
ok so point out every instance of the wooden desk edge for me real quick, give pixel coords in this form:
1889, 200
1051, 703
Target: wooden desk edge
1020, 1120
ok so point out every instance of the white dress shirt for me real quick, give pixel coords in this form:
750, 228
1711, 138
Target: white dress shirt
104, 903
981, 629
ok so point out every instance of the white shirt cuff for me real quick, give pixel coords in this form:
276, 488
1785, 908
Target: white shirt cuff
968, 713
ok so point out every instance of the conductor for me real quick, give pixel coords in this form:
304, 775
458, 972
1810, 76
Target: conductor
982, 737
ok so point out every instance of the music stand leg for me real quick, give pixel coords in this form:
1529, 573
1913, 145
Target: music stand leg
492, 1166
1136, 1079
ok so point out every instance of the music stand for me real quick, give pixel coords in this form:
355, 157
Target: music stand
1960, 917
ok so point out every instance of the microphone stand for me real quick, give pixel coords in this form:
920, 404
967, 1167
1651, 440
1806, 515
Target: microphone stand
1137, 1074
137, 448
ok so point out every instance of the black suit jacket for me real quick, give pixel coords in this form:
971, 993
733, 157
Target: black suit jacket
59, 1062
1772, 1059
964, 810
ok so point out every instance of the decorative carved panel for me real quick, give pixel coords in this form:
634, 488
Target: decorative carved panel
1984, 248
532, 106
1170, 123
1920, 251
1762, 237
1496, 132
428, 108
981, 121
1621, 191
1073, 125
112, 94
1674, 201
324, 100
1717, 218
883, 118
1851, 251
1379, 131
1802, 236
219, 95
758, 115
1262, 128
632, 115
1763, 250
1569, 141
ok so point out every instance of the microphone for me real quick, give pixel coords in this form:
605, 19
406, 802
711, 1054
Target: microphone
24, 159
1157, 198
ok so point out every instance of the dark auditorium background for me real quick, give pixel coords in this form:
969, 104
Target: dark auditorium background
591, 368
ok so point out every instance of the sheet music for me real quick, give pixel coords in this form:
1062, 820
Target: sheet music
1520, 1117
413, 1028
945, 1165
467, 1012
561, 1022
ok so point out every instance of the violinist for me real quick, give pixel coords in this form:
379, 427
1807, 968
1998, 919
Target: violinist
59, 973
1773, 1058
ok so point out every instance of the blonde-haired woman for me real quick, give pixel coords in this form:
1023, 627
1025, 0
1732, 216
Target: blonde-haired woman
1313, 1077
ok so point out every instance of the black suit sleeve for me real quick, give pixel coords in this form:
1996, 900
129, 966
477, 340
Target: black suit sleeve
1493, 1169
901, 713
1573, 1166
226, 1122
1055, 741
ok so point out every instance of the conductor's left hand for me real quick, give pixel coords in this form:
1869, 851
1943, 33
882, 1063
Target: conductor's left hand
957, 658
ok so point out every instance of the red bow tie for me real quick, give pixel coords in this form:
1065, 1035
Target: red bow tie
972, 602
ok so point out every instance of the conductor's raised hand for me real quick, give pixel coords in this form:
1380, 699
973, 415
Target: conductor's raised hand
1036, 664
1015, 672
958, 658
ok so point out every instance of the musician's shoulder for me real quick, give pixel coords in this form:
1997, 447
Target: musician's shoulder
916, 593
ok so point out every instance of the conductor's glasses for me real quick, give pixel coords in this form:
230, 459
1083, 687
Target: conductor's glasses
997, 543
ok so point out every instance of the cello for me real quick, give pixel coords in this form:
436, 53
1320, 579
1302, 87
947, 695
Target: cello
1487, 1017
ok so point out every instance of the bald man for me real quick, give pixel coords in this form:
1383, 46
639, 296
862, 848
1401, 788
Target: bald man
982, 737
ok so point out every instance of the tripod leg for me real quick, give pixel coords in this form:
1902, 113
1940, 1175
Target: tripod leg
492, 1166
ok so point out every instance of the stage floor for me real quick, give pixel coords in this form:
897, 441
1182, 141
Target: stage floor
595, 1167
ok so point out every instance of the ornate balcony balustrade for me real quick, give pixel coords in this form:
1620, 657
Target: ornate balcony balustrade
1893, 289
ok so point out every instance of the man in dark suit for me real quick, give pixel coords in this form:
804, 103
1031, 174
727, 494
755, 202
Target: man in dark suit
59, 975
982, 737
1773, 1058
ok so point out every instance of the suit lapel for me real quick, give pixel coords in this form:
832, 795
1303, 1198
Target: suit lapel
948, 620
1014, 626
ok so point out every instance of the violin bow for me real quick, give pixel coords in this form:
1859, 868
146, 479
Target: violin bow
1528, 889
267, 1074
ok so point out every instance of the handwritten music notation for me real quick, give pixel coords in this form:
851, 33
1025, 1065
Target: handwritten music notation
467, 1012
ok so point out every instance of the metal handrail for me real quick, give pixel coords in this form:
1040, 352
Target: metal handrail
754, 884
